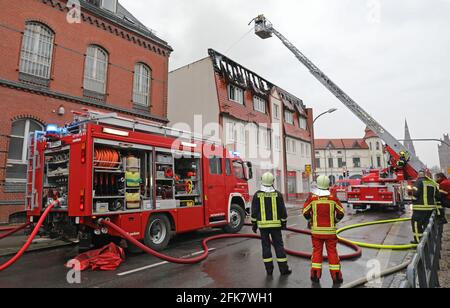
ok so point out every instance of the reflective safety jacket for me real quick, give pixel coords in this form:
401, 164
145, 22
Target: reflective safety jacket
269, 210
426, 195
324, 213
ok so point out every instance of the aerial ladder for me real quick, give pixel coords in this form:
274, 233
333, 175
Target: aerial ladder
264, 29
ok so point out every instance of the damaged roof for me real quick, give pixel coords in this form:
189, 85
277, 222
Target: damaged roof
292, 102
239, 75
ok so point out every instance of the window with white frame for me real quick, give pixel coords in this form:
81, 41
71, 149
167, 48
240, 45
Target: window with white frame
37, 50
16, 168
96, 69
291, 146
259, 104
303, 123
230, 132
277, 143
141, 87
110, 5
236, 94
276, 111
289, 117
267, 139
303, 149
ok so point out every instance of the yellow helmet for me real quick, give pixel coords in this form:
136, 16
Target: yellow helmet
267, 179
323, 182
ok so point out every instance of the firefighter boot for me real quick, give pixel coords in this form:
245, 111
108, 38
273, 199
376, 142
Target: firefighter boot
337, 277
316, 275
284, 269
269, 268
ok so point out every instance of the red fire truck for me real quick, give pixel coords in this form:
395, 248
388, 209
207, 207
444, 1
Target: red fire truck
388, 188
151, 181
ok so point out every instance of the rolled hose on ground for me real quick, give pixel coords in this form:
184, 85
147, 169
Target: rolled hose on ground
30, 239
389, 271
12, 230
204, 255
376, 246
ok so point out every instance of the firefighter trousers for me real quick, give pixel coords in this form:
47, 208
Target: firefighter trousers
420, 221
330, 242
275, 237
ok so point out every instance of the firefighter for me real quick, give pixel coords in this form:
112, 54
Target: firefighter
425, 199
403, 160
323, 211
269, 215
444, 189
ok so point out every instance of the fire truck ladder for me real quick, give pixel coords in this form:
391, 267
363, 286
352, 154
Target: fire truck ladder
113, 119
33, 163
264, 29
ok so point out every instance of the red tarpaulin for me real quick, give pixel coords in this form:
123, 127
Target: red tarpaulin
107, 258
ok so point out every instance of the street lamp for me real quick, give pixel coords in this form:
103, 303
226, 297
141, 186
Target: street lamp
313, 141
324, 113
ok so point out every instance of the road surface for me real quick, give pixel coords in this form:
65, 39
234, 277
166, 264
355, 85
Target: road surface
234, 263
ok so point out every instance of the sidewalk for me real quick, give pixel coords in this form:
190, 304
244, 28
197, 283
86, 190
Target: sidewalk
12, 244
444, 275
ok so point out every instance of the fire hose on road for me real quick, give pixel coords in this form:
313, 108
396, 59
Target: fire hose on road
356, 246
377, 246
24, 248
204, 255
12, 231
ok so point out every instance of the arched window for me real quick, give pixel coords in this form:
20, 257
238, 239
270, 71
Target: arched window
37, 50
96, 69
16, 168
141, 86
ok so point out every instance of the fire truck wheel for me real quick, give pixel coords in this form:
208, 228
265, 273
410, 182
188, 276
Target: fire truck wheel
237, 219
158, 232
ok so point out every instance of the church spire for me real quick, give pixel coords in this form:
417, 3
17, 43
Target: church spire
408, 140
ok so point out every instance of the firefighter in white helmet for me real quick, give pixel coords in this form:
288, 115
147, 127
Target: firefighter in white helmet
269, 215
323, 211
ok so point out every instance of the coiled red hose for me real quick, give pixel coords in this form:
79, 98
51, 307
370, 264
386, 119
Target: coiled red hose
204, 255
30, 238
13, 230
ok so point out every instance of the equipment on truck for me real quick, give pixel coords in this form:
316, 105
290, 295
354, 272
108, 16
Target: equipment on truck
149, 180
386, 188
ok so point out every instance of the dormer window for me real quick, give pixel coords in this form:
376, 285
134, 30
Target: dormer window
110, 5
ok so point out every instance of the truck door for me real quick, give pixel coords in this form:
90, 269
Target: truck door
215, 193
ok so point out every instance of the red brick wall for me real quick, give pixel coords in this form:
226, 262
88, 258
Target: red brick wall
71, 42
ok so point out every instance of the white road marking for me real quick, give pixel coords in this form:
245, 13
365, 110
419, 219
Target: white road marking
160, 264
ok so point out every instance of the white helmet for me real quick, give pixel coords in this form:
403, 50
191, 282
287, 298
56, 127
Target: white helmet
323, 182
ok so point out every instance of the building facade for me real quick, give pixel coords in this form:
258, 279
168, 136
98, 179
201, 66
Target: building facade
343, 158
444, 155
217, 97
59, 56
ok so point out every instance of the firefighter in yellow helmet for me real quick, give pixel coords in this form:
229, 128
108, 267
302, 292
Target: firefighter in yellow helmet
269, 215
425, 201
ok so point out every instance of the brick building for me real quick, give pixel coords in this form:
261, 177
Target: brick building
59, 56
334, 157
266, 125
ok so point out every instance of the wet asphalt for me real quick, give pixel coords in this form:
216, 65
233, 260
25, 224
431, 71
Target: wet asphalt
233, 263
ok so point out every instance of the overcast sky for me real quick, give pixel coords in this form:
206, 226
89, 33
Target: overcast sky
392, 57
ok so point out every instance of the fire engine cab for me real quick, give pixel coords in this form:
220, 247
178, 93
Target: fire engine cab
151, 181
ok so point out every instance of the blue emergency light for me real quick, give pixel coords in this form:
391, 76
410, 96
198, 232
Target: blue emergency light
52, 129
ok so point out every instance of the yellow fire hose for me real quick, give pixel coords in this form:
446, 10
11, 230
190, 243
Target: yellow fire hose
376, 246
